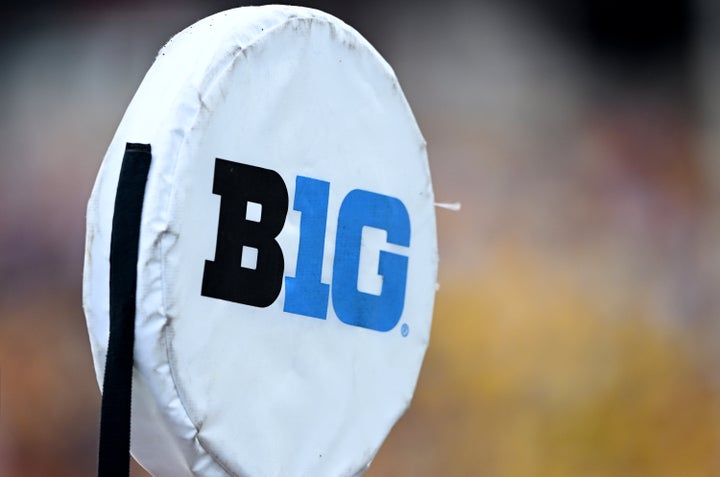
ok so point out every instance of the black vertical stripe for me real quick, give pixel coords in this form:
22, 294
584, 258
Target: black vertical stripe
114, 454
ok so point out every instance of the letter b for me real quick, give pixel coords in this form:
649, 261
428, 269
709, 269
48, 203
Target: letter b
231, 276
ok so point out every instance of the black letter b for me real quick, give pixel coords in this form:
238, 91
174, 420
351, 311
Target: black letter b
229, 276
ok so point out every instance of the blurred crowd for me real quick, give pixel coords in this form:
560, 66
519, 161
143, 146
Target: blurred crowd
578, 312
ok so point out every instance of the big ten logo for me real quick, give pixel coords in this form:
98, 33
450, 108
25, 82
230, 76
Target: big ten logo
249, 263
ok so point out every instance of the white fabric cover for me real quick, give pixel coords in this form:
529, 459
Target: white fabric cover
223, 388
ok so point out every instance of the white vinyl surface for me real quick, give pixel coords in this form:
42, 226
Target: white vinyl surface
224, 388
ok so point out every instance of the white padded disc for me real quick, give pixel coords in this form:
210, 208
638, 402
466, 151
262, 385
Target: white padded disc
310, 383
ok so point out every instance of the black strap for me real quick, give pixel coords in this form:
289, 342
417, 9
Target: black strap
114, 455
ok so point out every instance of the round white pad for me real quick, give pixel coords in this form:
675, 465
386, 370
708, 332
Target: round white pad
288, 253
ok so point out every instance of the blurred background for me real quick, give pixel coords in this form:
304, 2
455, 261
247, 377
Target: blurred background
577, 325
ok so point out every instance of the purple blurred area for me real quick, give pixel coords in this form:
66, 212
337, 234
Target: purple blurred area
577, 322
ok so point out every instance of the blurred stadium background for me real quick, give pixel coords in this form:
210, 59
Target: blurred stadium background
577, 325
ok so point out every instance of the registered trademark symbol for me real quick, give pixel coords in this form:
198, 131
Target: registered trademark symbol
404, 329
